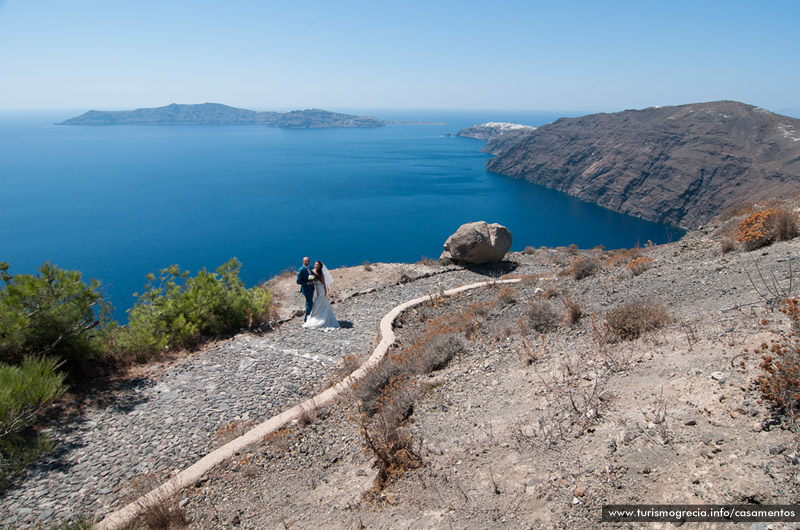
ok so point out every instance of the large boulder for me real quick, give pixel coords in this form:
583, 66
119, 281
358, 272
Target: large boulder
478, 243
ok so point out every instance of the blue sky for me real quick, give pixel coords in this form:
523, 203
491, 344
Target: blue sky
524, 55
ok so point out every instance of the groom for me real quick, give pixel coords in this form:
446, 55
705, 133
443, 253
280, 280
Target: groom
306, 285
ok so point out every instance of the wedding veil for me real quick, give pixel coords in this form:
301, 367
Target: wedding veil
328, 278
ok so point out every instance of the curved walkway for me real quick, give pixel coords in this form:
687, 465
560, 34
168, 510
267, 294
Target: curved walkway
167, 422
190, 475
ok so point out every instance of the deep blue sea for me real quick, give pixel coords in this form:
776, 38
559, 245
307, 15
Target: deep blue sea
119, 202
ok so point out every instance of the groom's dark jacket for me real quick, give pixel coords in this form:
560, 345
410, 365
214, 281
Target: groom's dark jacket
302, 279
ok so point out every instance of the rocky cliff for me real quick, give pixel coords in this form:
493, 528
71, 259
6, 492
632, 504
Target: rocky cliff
679, 165
216, 114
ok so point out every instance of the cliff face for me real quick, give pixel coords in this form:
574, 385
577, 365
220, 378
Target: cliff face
679, 165
216, 114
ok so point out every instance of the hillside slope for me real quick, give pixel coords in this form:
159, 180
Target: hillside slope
679, 165
528, 428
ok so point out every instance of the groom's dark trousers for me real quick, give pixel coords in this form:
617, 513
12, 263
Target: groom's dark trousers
305, 288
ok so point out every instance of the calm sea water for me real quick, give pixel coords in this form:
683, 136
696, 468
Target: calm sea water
119, 202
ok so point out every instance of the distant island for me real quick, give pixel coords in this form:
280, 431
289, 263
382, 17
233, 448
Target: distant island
678, 165
217, 114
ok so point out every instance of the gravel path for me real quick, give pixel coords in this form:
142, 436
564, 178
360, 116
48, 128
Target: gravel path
167, 422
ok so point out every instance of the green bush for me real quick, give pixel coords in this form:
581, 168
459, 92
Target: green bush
53, 313
25, 390
178, 311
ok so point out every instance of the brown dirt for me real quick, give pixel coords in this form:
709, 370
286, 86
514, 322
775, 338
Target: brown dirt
529, 430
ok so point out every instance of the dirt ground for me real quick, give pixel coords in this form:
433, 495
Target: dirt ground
539, 428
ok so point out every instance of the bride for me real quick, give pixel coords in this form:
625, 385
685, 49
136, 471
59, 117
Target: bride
321, 316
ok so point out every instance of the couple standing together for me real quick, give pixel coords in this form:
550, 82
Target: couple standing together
319, 314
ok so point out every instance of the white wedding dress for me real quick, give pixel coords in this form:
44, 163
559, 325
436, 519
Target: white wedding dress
321, 316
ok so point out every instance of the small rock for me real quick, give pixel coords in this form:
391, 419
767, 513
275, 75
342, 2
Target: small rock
361, 473
580, 491
690, 422
757, 427
777, 449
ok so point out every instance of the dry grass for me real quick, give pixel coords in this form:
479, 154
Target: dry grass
348, 365
385, 434
630, 321
779, 381
308, 415
584, 268
548, 290
573, 311
622, 257
736, 210
726, 245
163, 513
640, 265
765, 227
507, 295
540, 317
231, 431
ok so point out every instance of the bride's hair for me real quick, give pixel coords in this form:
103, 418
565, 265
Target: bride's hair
320, 276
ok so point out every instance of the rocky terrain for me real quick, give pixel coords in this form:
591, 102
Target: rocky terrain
538, 428
680, 165
541, 417
216, 114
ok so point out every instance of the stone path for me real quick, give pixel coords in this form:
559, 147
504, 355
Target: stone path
170, 421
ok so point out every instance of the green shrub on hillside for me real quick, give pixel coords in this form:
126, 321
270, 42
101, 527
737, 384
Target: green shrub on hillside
53, 313
25, 391
178, 311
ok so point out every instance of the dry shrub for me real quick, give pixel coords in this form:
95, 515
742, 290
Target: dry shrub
727, 244
573, 312
630, 321
780, 363
386, 435
735, 210
163, 512
529, 250
367, 266
308, 415
622, 257
426, 351
640, 265
548, 290
366, 390
573, 249
584, 268
279, 440
349, 364
528, 353
540, 317
507, 295
231, 431
765, 227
